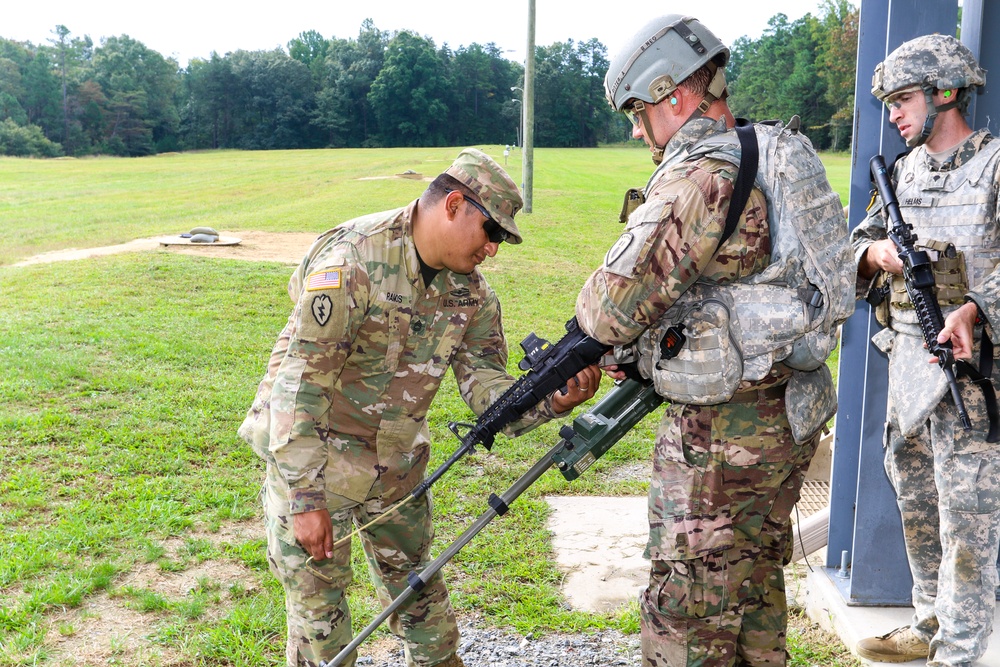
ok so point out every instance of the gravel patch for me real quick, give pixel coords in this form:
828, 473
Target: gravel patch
485, 647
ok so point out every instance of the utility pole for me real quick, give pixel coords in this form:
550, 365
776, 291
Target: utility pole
528, 111
520, 118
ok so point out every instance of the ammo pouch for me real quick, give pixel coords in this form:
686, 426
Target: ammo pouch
810, 402
709, 366
634, 198
950, 280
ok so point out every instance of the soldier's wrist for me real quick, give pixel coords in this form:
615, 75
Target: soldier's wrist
981, 318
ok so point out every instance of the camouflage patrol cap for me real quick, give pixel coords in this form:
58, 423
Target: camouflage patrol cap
930, 61
487, 179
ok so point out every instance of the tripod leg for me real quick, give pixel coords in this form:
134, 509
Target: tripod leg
498, 506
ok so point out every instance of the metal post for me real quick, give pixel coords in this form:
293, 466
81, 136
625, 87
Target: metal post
528, 111
520, 120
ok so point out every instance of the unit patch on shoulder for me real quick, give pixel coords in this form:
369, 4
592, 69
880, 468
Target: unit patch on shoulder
323, 280
620, 246
322, 307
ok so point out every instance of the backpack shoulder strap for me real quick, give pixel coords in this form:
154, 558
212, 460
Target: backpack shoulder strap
749, 158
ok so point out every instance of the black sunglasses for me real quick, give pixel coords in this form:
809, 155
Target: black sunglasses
494, 232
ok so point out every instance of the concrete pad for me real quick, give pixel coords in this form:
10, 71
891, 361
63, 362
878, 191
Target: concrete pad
825, 605
599, 542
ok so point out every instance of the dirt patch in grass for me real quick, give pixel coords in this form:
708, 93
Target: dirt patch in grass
284, 247
108, 629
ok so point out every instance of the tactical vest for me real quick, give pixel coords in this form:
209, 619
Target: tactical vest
953, 213
791, 311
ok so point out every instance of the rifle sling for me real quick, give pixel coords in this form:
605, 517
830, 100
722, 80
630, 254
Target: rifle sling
749, 161
981, 378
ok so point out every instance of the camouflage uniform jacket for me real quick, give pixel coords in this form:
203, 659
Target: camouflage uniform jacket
670, 242
345, 397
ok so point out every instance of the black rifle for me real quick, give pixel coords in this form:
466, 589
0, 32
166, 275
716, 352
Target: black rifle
549, 368
918, 276
592, 434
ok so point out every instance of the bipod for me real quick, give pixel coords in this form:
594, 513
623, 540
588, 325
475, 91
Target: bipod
592, 434
416, 581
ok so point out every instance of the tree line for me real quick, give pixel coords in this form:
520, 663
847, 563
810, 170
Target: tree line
380, 89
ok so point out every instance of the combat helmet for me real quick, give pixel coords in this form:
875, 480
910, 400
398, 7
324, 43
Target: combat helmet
658, 57
930, 62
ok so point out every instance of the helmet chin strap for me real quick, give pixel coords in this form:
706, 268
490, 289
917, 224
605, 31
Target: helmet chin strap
932, 112
716, 89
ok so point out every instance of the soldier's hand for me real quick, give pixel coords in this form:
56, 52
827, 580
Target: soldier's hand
883, 255
615, 372
580, 388
314, 531
958, 328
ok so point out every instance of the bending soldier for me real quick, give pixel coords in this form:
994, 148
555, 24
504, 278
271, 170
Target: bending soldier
384, 305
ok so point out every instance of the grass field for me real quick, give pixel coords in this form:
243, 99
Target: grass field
129, 507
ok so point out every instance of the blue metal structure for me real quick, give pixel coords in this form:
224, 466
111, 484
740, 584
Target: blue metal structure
865, 529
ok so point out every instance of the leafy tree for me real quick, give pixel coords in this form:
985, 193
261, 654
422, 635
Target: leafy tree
483, 79
72, 57
836, 61
412, 93
343, 109
211, 93
41, 93
140, 85
11, 92
276, 100
777, 77
92, 113
310, 49
569, 95
14, 58
25, 141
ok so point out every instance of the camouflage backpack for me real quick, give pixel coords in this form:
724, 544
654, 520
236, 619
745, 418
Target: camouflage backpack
791, 311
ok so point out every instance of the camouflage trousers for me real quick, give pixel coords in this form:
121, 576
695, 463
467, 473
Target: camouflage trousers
318, 617
725, 481
947, 484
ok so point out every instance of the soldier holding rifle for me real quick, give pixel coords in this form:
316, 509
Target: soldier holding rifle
946, 475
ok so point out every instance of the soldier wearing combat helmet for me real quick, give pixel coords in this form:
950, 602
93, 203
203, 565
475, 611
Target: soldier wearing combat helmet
924, 66
384, 305
946, 478
728, 462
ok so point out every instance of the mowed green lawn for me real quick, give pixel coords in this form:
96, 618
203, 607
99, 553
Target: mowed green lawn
129, 517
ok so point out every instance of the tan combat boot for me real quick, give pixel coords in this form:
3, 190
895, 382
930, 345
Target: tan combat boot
453, 661
900, 645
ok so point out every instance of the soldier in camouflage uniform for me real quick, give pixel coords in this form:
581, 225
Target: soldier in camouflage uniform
725, 476
946, 479
384, 305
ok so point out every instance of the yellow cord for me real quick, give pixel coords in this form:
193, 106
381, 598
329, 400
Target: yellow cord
380, 517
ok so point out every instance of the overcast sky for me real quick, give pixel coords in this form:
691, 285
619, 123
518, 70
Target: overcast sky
186, 29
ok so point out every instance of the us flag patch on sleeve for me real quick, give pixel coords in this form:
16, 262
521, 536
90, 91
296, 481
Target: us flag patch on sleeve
323, 280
